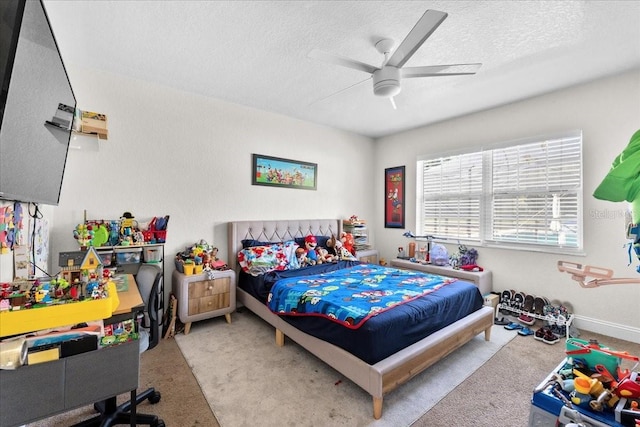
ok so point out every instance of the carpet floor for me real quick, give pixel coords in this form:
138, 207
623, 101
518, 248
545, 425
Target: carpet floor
497, 393
240, 363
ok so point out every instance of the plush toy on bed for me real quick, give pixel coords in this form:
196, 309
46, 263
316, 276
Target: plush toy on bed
325, 256
310, 245
339, 251
348, 242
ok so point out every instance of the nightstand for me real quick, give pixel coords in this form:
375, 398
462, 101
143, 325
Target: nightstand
482, 279
200, 297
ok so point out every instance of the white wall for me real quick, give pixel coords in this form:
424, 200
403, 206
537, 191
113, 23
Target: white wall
608, 112
178, 154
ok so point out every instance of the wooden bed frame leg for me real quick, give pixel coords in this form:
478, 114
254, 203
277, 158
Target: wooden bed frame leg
377, 407
279, 338
487, 334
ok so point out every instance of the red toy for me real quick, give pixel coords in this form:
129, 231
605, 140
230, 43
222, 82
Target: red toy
348, 242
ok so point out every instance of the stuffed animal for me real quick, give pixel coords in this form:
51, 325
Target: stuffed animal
348, 242
339, 250
325, 256
310, 244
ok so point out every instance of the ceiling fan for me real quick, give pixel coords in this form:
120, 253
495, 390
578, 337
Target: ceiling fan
387, 77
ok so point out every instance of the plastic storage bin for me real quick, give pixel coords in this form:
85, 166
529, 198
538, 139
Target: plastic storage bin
152, 254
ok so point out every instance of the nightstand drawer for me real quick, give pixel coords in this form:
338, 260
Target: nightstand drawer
206, 288
214, 302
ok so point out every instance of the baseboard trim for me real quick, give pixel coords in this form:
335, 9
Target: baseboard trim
615, 330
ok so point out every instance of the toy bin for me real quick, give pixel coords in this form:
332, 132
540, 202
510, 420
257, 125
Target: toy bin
548, 409
106, 257
152, 254
128, 259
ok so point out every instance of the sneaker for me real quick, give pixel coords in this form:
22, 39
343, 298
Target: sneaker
518, 300
540, 333
506, 301
550, 337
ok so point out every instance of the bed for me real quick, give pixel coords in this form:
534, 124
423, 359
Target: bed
383, 373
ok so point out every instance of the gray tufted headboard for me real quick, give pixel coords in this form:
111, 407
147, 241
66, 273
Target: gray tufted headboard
277, 231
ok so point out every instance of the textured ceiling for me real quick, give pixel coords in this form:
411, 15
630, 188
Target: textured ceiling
254, 53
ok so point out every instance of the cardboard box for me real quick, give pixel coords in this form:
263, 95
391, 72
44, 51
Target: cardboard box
94, 123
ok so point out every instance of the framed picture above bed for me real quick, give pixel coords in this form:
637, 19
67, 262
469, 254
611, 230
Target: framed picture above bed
394, 197
278, 172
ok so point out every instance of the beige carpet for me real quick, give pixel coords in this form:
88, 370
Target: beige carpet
239, 364
497, 393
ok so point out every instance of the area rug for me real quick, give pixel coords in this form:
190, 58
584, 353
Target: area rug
248, 380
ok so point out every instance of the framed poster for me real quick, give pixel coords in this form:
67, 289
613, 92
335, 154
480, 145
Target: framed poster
394, 197
278, 172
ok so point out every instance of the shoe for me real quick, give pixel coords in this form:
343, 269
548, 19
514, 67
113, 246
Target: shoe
527, 320
540, 334
545, 335
539, 304
525, 332
513, 326
527, 305
550, 337
506, 298
518, 300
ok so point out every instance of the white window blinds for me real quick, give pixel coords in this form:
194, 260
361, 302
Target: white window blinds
526, 193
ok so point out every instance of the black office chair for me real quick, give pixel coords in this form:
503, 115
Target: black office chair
149, 280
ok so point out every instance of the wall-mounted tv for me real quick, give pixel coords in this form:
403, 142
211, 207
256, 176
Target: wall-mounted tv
33, 153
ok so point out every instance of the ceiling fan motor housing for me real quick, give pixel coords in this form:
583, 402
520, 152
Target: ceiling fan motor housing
386, 81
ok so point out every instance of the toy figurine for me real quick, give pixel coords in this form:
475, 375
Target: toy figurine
127, 225
580, 395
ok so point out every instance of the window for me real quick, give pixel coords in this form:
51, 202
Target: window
525, 194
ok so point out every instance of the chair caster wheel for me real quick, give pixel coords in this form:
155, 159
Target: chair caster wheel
155, 398
160, 423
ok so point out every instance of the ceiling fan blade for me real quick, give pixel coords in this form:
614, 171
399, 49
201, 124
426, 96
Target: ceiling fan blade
418, 34
440, 70
340, 91
341, 60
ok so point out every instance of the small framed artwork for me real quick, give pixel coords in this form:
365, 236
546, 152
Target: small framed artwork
278, 172
394, 197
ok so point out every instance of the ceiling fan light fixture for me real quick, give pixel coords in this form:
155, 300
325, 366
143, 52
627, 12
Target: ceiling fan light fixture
386, 82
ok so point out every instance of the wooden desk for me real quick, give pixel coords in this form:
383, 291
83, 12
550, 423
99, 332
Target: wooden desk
33, 392
129, 299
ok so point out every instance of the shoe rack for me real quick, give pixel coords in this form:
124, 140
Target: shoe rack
560, 320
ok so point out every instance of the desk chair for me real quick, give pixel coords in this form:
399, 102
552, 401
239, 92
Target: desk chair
149, 280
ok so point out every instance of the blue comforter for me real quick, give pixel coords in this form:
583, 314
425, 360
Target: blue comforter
352, 295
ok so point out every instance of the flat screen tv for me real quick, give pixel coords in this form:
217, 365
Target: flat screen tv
34, 135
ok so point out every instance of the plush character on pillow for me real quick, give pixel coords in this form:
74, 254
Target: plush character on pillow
310, 244
340, 252
348, 242
325, 256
